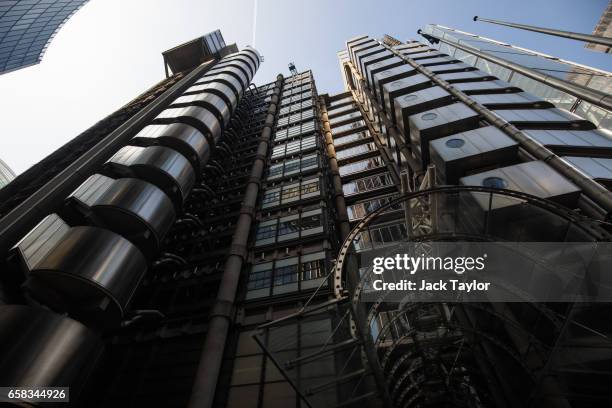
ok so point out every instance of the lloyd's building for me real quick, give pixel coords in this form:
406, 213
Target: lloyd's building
203, 245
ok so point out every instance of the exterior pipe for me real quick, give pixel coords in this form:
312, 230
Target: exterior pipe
590, 187
205, 383
343, 220
596, 39
598, 98
17, 223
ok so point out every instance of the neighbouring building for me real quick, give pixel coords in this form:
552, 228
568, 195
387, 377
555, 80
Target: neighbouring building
27, 28
603, 28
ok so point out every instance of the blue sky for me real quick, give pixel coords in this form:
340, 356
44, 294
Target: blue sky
110, 51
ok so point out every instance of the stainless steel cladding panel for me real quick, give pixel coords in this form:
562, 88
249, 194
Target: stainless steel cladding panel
441, 61
486, 87
243, 58
252, 53
360, 47
380, 66
439, 122
409, 45
137, 210
230, 80
239, 63
420, 56
89, 272
185, 139
39, 348
200, 118
217, 105
389, 75
472, 76
536, 178
235, 72
218, 88
449, 68
419, 49
418, 101
545, 119
458, 154
40, 240
596, 168
371, 59
589, 142
161, 166
519, 100
403, 86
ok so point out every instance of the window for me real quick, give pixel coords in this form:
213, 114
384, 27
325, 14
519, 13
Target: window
285, 275
290, 192
265, 231
309, 222
260, 276
361, 165
288, 227
355, 150
310, 187
271, 196
312, 269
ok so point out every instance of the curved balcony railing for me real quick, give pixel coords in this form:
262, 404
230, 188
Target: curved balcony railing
431, 352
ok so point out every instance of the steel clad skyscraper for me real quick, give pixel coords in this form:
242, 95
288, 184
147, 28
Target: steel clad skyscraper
207, 245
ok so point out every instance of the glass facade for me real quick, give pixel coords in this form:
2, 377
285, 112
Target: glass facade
28, 26
6, 174
564, 70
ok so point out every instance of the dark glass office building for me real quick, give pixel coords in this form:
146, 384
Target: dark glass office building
27, 28
200, 246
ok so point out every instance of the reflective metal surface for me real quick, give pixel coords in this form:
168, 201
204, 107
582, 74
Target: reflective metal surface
181, 137
388, 75
212, 102
90, 272
535, 178
471, 76
242, 57
448, 68
458, 154
161, 166
133, 208
380, 66
399, 87
518, 100
236, 72
545, 119
235, 66
590, 142
364, 62
218, 88
486, 87
439, 122
198, 117
595, 167
39, 348
419, 101
229, 80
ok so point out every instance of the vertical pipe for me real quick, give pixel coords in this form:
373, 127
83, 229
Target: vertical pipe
203, 392
343, 221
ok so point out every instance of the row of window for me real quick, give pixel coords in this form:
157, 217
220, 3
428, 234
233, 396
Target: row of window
284, 272
342, 109
346, 99
294, 147
349, 126
290, 193
355, 150
289, 227
359, 210
344, 118
367, 184
295, 117
362, 165
295, 131
295, 98
380, 235
353, 137
293, 166
295, 107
